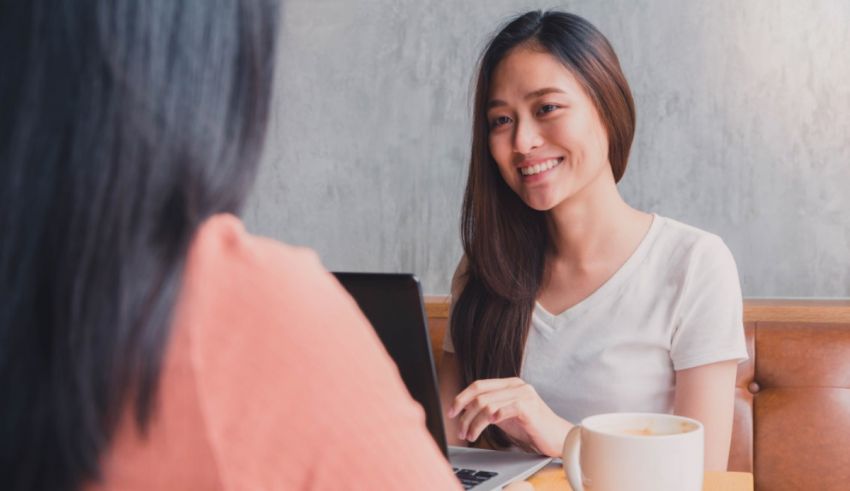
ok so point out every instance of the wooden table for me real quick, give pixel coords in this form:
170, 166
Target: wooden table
552, 478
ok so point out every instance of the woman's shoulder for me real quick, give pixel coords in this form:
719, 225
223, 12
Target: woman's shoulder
285, 355
232, 274
225, 259
222, 243
267, 349
682, 252
684, 233
684, 242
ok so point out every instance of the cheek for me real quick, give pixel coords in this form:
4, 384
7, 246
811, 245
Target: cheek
501, 153
585, 143
596, 140
496, 146
602, 144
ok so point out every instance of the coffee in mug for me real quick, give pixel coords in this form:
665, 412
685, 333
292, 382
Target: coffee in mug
635, 451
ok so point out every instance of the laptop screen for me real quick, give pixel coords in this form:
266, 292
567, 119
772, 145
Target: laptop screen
393, 305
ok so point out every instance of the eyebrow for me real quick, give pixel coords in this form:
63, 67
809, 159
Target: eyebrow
531, 95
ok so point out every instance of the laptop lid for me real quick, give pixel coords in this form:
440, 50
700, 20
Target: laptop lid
393, 305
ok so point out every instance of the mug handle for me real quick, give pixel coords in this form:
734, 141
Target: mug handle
570, 456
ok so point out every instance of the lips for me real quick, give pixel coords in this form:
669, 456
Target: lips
530, 170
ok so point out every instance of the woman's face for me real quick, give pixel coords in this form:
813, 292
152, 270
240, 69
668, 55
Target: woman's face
545, 133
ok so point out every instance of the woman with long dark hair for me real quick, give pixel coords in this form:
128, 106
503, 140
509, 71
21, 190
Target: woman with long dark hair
569, 302
146, 340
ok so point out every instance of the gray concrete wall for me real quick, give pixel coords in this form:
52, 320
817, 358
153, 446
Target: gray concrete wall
743, 130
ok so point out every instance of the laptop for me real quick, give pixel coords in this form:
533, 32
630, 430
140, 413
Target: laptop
393, 304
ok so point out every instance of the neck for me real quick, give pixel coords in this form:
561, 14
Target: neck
591, 224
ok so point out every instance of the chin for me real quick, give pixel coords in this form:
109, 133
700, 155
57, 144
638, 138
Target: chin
540, 204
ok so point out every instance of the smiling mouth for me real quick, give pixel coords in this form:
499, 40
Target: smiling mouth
541, 167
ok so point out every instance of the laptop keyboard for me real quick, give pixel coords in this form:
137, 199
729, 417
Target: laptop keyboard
469, 478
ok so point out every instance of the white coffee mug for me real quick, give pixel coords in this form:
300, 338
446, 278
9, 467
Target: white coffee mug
635, 452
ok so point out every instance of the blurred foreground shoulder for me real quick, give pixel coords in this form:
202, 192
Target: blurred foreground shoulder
293, 368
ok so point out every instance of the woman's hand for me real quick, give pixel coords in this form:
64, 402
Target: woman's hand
514, 406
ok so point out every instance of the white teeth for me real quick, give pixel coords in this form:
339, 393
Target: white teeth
538, 168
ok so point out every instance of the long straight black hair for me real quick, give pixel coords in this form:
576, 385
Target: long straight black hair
124, 125
504, 240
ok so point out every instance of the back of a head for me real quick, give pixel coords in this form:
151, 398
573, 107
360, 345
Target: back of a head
124, 126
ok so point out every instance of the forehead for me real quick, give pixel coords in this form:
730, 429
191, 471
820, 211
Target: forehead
525, 70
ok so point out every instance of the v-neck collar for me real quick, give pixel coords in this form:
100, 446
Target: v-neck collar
610, 286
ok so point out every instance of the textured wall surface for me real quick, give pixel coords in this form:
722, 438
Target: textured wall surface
743, 130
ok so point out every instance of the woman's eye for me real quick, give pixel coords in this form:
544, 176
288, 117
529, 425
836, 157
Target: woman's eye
547, 108
499, 121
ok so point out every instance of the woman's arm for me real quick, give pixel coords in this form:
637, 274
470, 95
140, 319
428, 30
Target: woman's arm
707, 393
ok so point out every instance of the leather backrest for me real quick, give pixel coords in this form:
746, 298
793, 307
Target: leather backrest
802, 406
437, 329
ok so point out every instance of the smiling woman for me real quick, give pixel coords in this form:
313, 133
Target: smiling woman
568, 302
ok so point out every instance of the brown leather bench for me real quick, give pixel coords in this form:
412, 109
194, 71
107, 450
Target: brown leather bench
792, 407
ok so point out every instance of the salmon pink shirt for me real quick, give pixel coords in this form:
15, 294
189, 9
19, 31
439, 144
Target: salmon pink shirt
272, 380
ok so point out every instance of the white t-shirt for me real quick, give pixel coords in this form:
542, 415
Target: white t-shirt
675, 304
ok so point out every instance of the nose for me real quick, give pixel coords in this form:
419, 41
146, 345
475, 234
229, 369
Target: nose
526, 136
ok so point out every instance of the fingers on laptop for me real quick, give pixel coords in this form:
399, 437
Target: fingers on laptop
479, 387
492, 402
